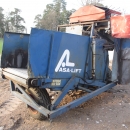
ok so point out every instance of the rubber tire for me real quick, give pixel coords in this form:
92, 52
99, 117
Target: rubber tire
41, 96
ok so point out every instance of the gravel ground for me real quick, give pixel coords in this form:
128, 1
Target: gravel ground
108, 111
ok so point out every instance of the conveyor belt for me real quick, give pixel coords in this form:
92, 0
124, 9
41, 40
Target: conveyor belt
17, 71
17, 75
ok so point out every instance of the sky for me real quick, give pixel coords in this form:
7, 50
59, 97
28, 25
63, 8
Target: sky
30, 8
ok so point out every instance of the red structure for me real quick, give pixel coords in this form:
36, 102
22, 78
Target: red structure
120, 26
92, 13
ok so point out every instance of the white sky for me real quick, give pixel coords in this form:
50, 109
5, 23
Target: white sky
30, 8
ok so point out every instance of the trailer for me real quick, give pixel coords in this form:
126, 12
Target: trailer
74, 60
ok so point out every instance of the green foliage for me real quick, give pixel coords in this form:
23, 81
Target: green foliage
7, 22
1, 22
37, 20
1, 45
54, 14
13, 21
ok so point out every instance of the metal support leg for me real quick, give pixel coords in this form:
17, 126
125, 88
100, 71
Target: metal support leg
77, 102
54, 113
28, 100
64, 91
12, 86
84, 89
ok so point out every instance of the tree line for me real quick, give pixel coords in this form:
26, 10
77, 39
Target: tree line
92, 2
11, 21
57, 14
53, 15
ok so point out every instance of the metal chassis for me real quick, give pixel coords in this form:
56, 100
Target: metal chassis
89, 23
54, 111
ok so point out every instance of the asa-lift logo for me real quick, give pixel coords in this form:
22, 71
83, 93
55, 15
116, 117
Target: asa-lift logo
66, 66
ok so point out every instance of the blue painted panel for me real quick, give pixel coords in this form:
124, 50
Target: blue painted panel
124, 62
125, 43
88, 73
39, 52
46, 49
71, 47
12, 42
63, 83
101, 59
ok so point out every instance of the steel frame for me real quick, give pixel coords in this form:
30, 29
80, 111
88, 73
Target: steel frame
54, 111
89, 23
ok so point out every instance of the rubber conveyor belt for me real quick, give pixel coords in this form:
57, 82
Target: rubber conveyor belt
17, 75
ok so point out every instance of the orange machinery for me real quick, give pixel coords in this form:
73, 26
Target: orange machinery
91, 13
119, 24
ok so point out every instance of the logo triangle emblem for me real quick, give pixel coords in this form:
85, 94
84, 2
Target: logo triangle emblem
66, 55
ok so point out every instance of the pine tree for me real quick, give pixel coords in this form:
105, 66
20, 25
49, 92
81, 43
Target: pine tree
16, 21
54, 14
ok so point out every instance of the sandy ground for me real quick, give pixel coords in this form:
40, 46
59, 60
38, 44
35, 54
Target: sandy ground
108, 111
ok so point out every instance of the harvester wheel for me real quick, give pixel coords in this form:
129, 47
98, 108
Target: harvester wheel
41, 96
